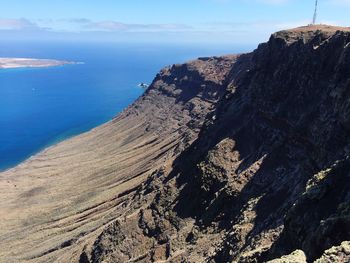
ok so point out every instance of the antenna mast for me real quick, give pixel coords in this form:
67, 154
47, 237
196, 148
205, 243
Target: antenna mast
315, 13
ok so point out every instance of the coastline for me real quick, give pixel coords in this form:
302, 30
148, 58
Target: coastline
60, 138
9, 64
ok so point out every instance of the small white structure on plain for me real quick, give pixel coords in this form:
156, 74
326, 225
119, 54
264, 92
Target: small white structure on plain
315, 13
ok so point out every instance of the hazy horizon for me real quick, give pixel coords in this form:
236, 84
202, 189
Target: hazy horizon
196, 21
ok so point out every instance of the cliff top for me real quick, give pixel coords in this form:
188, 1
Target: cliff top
308, 32
323, 28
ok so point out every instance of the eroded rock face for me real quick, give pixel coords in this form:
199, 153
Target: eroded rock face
298, 256
336, 254
251, 164
268, 173
245, 180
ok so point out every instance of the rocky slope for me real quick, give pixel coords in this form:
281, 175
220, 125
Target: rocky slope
59, 201
231, 159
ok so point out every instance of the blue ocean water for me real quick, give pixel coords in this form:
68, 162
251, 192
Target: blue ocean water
40, 107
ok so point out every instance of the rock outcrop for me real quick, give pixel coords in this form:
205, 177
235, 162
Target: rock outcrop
226, 159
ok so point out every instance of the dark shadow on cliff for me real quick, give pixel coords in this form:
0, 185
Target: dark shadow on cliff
281, 113
320, 218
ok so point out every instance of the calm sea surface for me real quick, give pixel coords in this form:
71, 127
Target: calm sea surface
40, 107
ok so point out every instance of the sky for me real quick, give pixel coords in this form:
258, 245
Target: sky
176, 21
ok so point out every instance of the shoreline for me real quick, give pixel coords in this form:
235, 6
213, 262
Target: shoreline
33, 63
60, 138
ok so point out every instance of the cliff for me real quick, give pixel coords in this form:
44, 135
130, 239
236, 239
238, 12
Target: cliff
226, 159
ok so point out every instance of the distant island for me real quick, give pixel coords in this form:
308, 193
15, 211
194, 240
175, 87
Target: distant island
7, 63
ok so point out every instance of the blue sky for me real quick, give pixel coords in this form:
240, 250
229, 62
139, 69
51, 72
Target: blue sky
205, 21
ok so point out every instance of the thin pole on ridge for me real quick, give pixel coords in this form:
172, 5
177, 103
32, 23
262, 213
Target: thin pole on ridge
315, 13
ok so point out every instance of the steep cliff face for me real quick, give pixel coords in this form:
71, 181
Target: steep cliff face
232, 159
268, 173
253, 171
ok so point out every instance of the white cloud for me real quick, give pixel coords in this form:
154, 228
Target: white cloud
118, 26
17, 24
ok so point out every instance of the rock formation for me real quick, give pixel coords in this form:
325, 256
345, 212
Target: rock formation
226, 159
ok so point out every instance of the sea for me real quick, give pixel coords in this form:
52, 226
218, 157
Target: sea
40, 107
